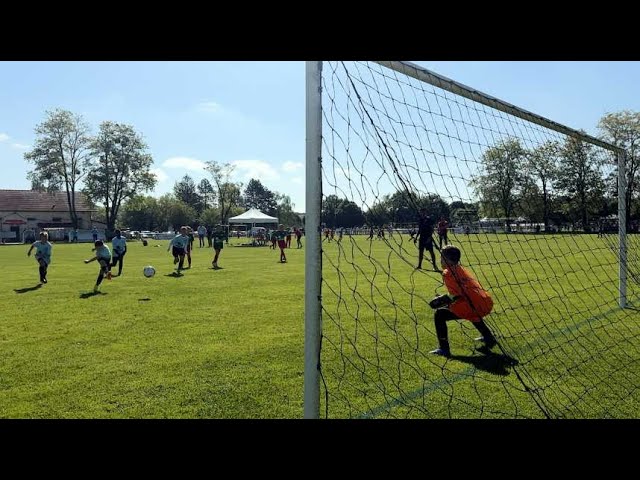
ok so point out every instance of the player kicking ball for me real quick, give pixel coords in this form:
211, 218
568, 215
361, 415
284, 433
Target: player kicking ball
103, 256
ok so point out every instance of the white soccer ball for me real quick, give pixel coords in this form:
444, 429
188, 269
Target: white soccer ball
149, 271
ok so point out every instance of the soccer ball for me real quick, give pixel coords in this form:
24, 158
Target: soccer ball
149, 271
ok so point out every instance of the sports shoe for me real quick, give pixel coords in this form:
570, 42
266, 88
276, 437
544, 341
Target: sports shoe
44, 280
440, 351
490, 344
109, 276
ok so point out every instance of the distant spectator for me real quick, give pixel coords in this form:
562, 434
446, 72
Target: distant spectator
202, 232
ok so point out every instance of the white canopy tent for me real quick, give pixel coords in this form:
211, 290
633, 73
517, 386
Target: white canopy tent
253, 216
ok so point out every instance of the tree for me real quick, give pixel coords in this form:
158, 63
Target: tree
463, 213
141, 213
60, 155
258, 196
542, 164
118, 169
207, 193
209, 217
498, 187
284, 210
402, 207
531, 203
350, 215
228, 192
175, 213
185, 191
330, 207
623, 130
377, 215
579, 177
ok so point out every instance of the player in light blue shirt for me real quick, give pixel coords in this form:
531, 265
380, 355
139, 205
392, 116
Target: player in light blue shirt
103, 256
179, 244
43, 254
119, 244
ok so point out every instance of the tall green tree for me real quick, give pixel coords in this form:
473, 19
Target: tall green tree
377, 215
542, 165
60, 155
330, 208
284, 210
175, 213
579, 177
207, 193
498, 186
623, 130
141, 212
119, 168
258, 196
350, 215
185, 191
228, 192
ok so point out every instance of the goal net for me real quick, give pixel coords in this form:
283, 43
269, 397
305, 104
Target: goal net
522, 197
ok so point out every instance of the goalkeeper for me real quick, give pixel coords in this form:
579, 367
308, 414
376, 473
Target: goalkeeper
466, 300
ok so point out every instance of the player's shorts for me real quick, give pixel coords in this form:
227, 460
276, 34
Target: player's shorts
104, 262
177, 251
42, 260
282, 244
425, 244
217, 245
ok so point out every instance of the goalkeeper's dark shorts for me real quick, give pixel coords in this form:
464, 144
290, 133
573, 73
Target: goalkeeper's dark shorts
425, 244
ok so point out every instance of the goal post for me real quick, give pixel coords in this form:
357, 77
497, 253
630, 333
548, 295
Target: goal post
313, 261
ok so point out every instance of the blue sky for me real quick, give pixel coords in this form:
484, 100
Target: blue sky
252, 114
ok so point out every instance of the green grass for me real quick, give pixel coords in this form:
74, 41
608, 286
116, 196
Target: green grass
229, 343
555, 314
209, 344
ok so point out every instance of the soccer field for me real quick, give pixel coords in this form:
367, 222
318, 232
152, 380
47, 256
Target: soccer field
229, 343
566, 348
210, 344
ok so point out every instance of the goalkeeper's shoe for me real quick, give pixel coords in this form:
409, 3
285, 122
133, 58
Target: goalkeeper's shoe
489, 344
442, 352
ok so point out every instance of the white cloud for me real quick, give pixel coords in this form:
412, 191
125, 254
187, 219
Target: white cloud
160, 175
211, 107
185, 163
258, 169
4, 137
296, 180
291, 166
20, 146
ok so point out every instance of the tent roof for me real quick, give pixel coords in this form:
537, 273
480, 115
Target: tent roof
253, 215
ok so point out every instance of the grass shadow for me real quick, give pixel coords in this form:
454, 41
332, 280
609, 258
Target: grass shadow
174, 274
494, 363
146, 299
27, 289
91, 294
